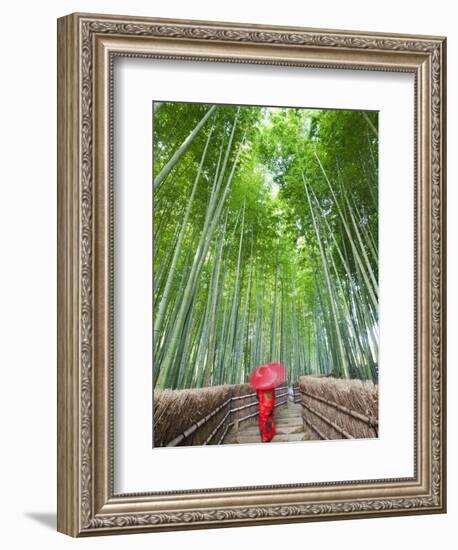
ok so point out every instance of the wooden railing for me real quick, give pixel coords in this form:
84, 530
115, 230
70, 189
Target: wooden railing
367, 420
227, 415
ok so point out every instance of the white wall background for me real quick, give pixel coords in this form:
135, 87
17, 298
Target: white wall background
28, 270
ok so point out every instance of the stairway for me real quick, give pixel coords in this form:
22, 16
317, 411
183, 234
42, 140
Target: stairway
288, 423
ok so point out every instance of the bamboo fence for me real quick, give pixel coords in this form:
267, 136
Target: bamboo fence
338, 409
204, 416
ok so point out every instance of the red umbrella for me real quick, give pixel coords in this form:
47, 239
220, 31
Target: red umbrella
268, 376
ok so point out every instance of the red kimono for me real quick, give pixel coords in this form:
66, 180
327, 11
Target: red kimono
266, 414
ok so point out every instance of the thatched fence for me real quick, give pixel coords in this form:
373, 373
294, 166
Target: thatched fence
338, 409
204, 416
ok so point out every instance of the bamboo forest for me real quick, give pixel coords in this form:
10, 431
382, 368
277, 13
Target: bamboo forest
265, 243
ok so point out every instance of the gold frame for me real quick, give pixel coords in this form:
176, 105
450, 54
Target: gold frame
87, 44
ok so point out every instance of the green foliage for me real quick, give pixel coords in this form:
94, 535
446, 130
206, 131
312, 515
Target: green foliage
270, 251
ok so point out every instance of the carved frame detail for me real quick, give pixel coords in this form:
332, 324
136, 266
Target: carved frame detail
87, 45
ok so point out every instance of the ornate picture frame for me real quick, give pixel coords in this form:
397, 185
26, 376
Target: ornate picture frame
87, 46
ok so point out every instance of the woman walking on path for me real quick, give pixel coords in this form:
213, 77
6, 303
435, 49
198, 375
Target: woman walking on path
264, 379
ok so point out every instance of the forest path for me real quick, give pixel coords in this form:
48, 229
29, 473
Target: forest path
288, 423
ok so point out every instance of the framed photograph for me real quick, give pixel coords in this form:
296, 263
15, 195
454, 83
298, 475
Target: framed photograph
251, 276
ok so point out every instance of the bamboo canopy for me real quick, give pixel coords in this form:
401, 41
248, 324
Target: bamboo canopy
265, 244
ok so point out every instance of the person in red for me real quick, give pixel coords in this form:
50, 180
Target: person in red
266, 400
264, 380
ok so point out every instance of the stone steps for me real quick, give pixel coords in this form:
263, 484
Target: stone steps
288, 422
279, 438
287, 415
289, 427
280, 429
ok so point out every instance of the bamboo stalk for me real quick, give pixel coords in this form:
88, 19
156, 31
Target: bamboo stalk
212, 216
340, 346
242, 407
370, 124
218, 426
236, 397
181, 150
223, 435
